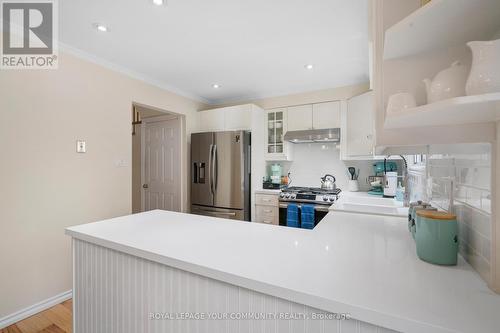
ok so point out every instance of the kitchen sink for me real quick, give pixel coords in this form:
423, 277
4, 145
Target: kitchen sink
370, 205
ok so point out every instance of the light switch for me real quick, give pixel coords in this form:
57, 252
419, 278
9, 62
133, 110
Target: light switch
121, 163
80, 146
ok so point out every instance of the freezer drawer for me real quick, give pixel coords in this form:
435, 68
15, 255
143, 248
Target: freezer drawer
232, 214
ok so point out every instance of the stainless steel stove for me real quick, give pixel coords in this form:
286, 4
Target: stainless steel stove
312, 195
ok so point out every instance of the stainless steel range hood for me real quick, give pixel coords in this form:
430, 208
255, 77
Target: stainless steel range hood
312, 136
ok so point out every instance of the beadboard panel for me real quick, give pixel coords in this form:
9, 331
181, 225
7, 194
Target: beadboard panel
117, 293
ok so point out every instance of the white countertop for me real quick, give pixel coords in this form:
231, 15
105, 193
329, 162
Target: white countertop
360, 264
267, 191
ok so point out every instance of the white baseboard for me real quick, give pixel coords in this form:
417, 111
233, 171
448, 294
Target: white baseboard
34, 309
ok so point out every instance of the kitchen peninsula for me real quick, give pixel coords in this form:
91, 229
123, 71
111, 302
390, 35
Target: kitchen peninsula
132, 269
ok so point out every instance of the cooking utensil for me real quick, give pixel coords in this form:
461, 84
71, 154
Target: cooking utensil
352, 172
328, 182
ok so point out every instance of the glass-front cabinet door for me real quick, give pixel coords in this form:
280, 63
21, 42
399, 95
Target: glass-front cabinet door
276, 148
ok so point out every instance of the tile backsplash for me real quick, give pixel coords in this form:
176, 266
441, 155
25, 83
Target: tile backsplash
458, 179
313, 160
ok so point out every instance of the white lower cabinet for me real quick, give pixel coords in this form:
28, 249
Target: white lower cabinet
267, 208
358, 127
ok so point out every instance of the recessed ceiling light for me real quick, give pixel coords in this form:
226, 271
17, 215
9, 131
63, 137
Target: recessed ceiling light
100, 27
158, 2
309, 66
216, 86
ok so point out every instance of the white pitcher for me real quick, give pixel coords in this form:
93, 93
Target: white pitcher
484, 76
448, 83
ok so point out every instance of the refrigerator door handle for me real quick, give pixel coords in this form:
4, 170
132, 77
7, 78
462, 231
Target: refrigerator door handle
216, 168
196, 173
211, 166
214, 212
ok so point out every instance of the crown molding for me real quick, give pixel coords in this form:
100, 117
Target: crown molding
65, 48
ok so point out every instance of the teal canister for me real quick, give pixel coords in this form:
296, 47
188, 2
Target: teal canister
437, 237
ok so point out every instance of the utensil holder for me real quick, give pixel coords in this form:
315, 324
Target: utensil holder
353, 185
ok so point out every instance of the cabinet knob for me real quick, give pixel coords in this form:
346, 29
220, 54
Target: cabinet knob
145, 186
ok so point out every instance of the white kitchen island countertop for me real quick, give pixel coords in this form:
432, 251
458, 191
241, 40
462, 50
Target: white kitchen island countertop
352, 263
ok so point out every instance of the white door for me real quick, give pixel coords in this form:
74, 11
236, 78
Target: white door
299, 117
161, 164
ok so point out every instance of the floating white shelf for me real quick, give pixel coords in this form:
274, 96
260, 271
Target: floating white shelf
455, 111
442, 23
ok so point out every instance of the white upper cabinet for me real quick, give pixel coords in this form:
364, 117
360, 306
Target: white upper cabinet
276, 126
358, 130
300, 117
211, 120
231, 118
406, 51
314, 116
238, 117
326, 115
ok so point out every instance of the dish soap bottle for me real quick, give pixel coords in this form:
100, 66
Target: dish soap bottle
400, 192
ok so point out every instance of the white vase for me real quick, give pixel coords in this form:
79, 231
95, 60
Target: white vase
484, 77
448, 83
400, 102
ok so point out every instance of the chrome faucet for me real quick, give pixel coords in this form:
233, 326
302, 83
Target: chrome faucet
404, 177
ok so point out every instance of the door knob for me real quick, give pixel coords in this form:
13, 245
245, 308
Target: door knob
145, 186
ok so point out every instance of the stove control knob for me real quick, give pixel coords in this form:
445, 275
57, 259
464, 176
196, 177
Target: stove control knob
282, 195
287, 195
292, 196
325, 198
331, 199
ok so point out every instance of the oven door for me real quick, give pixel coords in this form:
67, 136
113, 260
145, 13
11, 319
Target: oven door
320, 211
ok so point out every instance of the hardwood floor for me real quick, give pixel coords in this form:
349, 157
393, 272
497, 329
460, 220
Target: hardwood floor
56, 319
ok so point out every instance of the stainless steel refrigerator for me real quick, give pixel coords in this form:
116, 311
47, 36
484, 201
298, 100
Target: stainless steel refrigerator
220, 174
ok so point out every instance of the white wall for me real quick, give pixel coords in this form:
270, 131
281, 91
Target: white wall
312, 161
46, 185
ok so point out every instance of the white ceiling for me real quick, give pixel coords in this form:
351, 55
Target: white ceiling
252, 48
